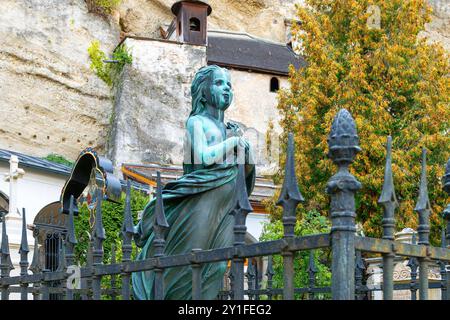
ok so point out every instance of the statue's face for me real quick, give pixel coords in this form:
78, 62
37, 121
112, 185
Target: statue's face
220, 93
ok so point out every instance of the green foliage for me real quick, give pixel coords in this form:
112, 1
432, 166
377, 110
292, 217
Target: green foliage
112, 214
310, 223
393, 82
108, 72
56, 158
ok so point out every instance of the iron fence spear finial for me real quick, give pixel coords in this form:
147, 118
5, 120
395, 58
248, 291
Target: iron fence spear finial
35, 266
127, 226
243, 206
99, 230
423, 206
23, 251
97, 251
290, 195
388, 198
127, 232
160, 223
160, 226
6, 263
24, 241
241, 209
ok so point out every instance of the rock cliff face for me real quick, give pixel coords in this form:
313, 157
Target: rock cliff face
263, 18
439, 28
50, 100
153, 102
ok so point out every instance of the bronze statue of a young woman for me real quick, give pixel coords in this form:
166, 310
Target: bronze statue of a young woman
198, 205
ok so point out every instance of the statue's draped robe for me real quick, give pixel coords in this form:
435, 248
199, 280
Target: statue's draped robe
197, 207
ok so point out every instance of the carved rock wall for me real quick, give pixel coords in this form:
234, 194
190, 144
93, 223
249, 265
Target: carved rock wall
263, 18
50, 101
154, 101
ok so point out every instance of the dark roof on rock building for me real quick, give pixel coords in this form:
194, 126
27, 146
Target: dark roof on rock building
35, 162
243, 51
26, 161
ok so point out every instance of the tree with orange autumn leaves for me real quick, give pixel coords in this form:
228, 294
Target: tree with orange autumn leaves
393, 81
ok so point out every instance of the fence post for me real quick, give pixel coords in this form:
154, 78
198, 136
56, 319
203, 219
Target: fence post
446, 215
86, 283
257, 284
250, 274
45, 294
23, 251
35, 265
240, 212
289, 199
442, 270
69, 243
312, 270
127, 236
160, 226
113, 276
196, 277
6, 265
343, 145
413, 265
269, 273
97, 253
389, 201
423, 207
359, 272
62, 267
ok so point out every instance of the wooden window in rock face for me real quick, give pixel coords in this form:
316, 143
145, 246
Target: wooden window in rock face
192, 20
274, 84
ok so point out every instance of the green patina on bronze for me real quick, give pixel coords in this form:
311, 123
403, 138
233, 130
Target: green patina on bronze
198, 205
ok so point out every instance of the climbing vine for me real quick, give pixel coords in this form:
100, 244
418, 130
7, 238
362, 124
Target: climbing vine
108, 71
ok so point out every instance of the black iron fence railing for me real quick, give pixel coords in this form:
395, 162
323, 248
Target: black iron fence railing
348, 276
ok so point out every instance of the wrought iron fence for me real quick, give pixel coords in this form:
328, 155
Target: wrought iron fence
347, 265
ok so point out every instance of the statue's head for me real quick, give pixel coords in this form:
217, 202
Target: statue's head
211, 85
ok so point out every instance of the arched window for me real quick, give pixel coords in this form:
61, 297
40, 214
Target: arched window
274, 84
194, 24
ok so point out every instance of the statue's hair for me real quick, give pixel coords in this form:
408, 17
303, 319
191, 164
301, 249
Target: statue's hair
199, 85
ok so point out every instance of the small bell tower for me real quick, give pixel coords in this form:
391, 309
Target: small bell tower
191, 21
